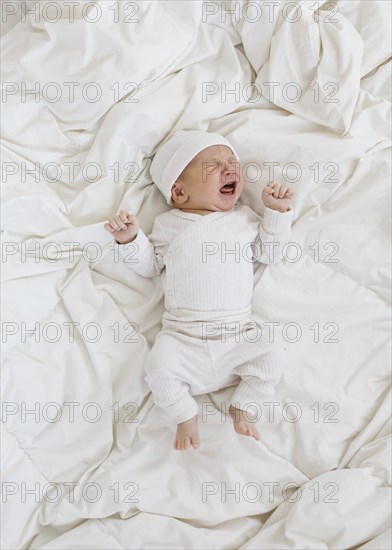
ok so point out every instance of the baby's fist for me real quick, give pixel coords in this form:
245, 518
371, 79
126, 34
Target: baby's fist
124, 227
277, 197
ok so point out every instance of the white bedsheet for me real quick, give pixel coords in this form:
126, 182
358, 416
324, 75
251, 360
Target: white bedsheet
131, 489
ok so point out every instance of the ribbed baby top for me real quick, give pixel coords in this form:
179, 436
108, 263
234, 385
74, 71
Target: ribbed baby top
207, 261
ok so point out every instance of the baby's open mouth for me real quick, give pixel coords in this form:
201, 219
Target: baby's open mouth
228, 188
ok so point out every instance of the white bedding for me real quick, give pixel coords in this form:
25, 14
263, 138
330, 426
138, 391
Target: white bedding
148, 495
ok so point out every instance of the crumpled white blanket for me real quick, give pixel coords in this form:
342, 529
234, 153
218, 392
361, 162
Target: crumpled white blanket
93, 466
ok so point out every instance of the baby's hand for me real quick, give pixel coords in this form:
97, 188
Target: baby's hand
277, 197
124, 227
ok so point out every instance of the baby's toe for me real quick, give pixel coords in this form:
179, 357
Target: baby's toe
255, 434
243, 428
195, 442
182, 443
249, 430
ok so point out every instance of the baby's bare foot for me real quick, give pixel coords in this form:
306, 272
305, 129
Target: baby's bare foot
187, 435
243, 422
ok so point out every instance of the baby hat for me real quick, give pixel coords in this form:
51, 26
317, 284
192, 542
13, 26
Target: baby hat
177, 152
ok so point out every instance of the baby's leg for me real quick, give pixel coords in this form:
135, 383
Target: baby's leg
173, 395
258, 380
171, 392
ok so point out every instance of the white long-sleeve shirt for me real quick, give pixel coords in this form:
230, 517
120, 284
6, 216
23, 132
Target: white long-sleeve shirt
207, 261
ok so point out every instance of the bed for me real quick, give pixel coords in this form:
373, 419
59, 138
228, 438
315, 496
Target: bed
90, 91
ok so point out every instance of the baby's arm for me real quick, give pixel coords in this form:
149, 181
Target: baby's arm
144, 255
275, 227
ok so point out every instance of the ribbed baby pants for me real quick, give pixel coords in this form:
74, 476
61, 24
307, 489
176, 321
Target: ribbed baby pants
193, 358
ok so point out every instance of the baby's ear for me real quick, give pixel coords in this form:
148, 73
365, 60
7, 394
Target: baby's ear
177, 193
174, 191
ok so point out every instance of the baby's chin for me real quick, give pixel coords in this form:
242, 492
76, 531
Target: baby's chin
219, 204
222, 207
227, 202
224, 204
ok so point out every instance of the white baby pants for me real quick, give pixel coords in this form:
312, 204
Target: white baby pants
193, 358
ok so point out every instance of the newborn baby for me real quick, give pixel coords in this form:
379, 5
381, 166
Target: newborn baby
205, 247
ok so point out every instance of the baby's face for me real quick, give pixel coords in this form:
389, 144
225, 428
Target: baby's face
211, 182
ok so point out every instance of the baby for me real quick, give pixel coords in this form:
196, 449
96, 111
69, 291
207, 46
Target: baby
205, 247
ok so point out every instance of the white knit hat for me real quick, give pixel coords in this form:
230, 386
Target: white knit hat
177, 152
